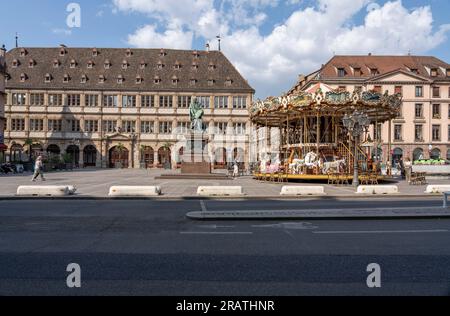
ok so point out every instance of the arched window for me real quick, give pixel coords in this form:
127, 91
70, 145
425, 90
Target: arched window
435, 154
418, 154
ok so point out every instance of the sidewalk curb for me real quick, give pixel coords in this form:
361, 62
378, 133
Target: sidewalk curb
244, 197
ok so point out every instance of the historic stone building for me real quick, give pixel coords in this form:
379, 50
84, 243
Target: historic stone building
423, 127
122, 107
2, 104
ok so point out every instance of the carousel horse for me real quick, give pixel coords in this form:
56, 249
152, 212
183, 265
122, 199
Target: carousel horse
333, 165
295, 165
311, 159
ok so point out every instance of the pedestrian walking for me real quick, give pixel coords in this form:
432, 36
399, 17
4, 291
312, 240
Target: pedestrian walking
408, 169
235, 170
38, 169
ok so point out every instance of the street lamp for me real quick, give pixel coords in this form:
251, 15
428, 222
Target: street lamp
356, 123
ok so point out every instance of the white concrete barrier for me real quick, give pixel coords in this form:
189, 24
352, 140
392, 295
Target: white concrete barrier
437, 188
302, 190
220, 191
134, 191
43, 190
377, 189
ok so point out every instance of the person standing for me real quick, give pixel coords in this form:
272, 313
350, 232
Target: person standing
38, 169
408, 169
401, 165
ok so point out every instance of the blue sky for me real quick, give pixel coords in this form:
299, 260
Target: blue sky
270, 41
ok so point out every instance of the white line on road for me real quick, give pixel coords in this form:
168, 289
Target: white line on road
203, 206
216, 233
382, 231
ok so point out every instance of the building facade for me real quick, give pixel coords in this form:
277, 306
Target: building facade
122, 107
422, 130
2, 104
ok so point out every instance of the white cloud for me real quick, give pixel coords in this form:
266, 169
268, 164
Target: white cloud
300, 44
65, 32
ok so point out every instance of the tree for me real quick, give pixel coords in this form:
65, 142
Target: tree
29, 142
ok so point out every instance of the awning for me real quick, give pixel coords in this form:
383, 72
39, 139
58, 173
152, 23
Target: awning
3, 147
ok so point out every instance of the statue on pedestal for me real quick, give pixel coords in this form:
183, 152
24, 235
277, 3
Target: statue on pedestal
196, 115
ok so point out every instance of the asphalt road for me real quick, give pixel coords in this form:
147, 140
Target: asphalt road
150, 248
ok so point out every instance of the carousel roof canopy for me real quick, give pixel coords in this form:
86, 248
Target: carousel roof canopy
275, 111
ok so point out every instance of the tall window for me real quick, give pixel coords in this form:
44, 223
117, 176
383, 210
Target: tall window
36, 125
110, 101
165, 127
54, 125
436, 92
419, 91
436, 133
128, 126
91, 100
221, 102
419, 110
239, 102
74, 125
221, 127
55, 99
19, 98
398, 132
448, 138
147, 101
377, 89
184, 101
398, 90
436, 111
341, 72
17, 125
204, 101
73, 100
239, 128
36, 99
147, 127
109, 126
418, 133
377, 132
91, 126
183, 127
165, 101
129, 101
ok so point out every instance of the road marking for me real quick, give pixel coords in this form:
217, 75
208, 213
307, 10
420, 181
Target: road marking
292, 226
216, 233
203, 206
382, 231
214, 226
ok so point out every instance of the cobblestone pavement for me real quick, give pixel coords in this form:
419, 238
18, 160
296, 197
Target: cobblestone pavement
96, 182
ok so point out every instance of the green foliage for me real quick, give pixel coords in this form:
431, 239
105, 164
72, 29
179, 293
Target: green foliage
67, 158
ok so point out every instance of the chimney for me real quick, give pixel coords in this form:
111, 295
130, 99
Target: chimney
370, 54
3, 51
207, 47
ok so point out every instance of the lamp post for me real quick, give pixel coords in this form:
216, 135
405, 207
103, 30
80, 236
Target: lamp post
356, 123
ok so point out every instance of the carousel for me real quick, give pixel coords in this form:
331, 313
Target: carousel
323, 133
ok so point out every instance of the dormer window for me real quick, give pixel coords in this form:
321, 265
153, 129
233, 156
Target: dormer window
138, 80
175, 80
160, 65
101, 79
157, 80
84, 79
119, 79
143, 64
62, 51
434, 72
228, 82
341, 72
31, 63
66, 78
448, 72
94, 52
23, 52
128, 53
194, 66
374, 71
357, 72
211, 66
162, 53
23, 77
48, 78
56, 63
107, 64
73, 63
211, 82
177, 66
124, 64
15, 63
193, 82
195, 54
415, 71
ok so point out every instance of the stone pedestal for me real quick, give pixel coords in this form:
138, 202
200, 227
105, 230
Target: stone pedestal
196, 160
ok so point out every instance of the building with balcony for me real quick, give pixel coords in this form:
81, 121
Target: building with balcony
422, 130
109, 107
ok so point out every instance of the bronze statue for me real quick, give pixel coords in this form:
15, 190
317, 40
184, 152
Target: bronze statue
196, 115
